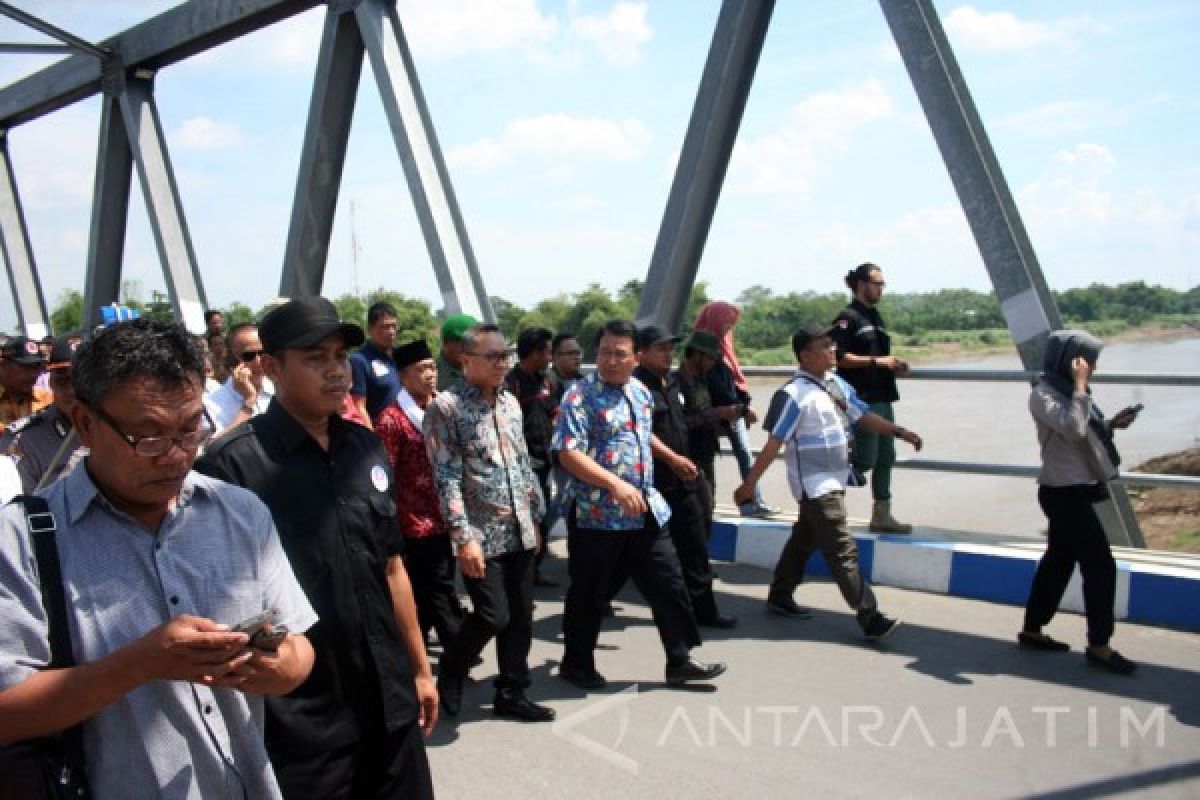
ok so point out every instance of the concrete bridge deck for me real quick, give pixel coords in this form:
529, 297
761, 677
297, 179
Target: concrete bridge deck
948, 706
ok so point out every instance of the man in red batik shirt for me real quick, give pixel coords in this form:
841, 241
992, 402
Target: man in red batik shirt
427, 553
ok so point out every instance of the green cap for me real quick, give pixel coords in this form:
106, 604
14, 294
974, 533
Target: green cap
705, 342
456, 325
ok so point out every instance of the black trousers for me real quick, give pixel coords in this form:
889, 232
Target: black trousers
689, 533
502, 604
1075, 536
543, 476
646, 555
379, 766
430, 563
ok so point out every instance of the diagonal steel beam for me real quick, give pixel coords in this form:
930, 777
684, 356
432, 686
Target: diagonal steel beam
172, 36
18, 253
428, 180
330, 113
1025, 300
144, 130
716, 116
110, 213
53, 31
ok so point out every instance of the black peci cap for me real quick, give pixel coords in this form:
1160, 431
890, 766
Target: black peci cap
411, 353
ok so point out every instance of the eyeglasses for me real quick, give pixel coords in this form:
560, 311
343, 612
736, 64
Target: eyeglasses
880, 284
604, 354
249, 355
155, 446
570, 353
493, 357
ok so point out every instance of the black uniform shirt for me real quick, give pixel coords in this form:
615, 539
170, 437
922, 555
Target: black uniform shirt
539, 404
859, 330
703, 428
669, 426
335, 516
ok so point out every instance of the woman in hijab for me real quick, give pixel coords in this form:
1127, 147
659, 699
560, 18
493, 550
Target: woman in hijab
728, 386
1078, 460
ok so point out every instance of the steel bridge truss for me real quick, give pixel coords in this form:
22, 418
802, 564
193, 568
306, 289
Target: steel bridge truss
123, 67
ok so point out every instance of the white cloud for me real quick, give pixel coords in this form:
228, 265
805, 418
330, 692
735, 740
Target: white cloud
1070, 192
619, 35
203, 133
790, 158
443, 28
1070, 118
556, 136
1003, 31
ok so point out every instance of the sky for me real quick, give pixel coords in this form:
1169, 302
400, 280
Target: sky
561, 122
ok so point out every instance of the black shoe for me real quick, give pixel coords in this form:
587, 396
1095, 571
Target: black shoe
692, 670
787, 607
609, 611
1115, 662
879, 627
450, 693
1031, 640
513, 704
583, 678
719, 621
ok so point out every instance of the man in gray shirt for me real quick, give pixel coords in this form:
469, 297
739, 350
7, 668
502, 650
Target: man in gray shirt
158, 563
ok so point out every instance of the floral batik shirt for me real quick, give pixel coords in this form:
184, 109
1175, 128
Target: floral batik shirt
486, 487
595, 419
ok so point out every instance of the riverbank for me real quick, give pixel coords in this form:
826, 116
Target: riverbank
935, 352
1170, 518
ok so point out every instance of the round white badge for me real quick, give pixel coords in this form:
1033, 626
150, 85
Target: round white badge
379, 478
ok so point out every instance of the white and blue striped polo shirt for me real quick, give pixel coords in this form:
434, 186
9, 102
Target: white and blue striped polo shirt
810, 424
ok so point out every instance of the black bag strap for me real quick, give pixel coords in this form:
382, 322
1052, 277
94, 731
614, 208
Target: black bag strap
839, 400
42, 528
39, 521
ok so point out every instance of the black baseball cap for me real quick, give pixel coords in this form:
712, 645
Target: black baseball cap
651, 335
23, 350
63, 351
805, 335
305, 322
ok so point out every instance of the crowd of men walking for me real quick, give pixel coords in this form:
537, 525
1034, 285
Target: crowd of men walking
263, 530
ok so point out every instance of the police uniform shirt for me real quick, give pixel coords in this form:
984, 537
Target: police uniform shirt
335, 516
34, 441
859, 330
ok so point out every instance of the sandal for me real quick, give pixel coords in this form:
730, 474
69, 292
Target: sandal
1115, 662
1040, 641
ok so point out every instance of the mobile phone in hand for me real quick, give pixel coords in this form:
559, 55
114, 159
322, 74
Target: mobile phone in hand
264, 630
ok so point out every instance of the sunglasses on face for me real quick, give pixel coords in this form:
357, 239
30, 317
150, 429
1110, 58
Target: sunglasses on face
249, 355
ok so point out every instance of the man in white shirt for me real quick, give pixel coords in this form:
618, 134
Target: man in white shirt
247, 391
814, 414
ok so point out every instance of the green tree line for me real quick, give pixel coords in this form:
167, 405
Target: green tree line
768, 319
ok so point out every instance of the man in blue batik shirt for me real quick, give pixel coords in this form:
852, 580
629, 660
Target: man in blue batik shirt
616, 519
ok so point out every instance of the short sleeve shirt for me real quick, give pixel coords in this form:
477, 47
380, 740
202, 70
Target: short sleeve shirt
217, 556
374, 376
812, 426
336, 519
611, 425
859, 330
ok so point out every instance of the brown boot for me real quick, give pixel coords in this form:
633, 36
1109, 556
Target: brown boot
882, 520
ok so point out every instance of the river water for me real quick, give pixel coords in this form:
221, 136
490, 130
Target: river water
990, 422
